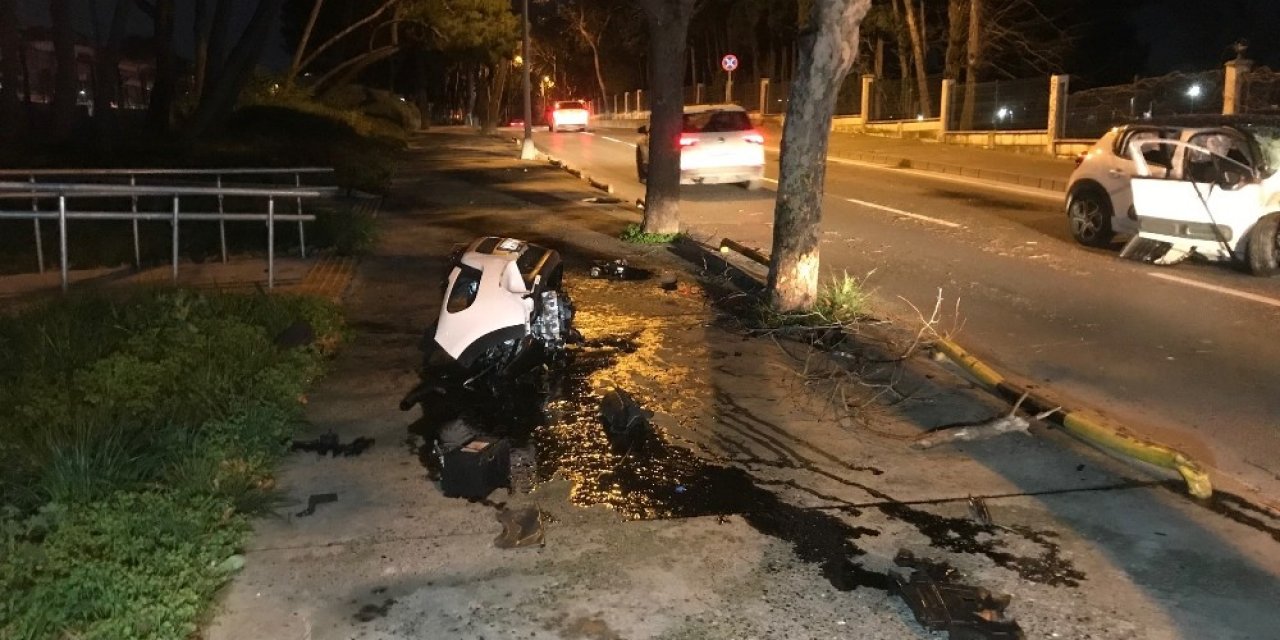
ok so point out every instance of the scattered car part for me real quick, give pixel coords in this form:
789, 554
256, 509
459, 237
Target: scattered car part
978, 511
618, 270
982, 430
329, 444
625, 421
476, 468
965, 612
315, 500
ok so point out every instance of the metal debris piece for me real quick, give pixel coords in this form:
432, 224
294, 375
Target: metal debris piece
625, 421
520, 528
982, 430
618, 270
315, 500
601, 200
965, 612
978, 510
329, 444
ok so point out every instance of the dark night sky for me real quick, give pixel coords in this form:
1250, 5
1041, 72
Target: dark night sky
1116, 39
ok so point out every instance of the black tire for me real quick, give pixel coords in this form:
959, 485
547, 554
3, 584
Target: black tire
1089, 214
1264, 246
642, 168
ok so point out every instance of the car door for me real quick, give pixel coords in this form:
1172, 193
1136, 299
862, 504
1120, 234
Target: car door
1115, 178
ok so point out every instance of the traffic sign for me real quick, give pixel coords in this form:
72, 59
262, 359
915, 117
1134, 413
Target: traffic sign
729, 62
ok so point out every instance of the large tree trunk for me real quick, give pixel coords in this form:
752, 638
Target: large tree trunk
219, 43
12, 114
200, 27
160, 113
957, 28
106, 88
66, 79
220, 99
497, 89
668, 24
973, 60
595, 58
915, 29
829, 46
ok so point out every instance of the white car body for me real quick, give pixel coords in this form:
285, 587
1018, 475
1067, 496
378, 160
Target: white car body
569, 115
718, 146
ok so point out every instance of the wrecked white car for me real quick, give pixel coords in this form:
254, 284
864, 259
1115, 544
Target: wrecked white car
504, 310
1218, 199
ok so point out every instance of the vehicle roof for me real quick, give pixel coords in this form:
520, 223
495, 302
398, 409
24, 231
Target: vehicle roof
703, 108
492, 246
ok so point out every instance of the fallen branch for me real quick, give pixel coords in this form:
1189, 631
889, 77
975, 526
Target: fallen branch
982, 431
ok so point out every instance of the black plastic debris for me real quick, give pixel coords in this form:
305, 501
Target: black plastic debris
601, 200
625, 421
965, 612
618, 270
297, 335
520, 528
474, 469
315, 500
669, 282
329, 444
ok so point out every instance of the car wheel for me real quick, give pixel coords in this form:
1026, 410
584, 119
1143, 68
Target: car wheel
1089, 212
642, 168
1264, 246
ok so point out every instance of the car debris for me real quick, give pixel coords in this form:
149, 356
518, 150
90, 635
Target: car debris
520, 528
939, 604
618, 270
625, 421
602, 200
979, 512
315, 500
1007, 423
476, 468
330, 445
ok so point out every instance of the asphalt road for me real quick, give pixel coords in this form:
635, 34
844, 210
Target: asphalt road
1188, 355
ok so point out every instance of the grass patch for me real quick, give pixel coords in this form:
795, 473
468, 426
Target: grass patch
136, 437
842, 302
635, 234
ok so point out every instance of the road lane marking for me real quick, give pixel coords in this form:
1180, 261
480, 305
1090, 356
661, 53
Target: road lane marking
629, 144
770, 180
900, 212
1219, 289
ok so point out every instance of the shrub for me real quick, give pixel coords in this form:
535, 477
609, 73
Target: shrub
635, 233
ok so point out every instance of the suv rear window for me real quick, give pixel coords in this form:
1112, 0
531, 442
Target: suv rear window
570, 105
716, 121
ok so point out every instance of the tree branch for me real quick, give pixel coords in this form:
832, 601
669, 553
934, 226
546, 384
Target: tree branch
345, 32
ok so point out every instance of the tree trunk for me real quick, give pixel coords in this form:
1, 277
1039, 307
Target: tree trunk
106, 87
668, 23
219, 43
957, 28
296, 64
337, 37
66, 80
347, 71
973, 57
829, 47
903, 51
160, 114
915, 29
12, 114
200, 29
220, 99
497, 89
595, 58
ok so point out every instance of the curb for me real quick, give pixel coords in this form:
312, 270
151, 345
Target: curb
1083, 426
578, 173
1074, 422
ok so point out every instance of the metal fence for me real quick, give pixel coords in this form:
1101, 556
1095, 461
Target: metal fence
1260, 92
1001, 105
172, 195
899, 99
1091, 112
849, 98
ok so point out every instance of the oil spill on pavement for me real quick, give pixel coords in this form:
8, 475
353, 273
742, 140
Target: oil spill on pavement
1234, 508
371, 612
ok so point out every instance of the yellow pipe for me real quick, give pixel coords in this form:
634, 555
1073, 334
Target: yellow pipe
1090, 430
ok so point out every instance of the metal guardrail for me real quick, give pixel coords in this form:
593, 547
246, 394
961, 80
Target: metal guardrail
38, 191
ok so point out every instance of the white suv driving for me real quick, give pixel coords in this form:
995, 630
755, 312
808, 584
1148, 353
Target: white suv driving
718, 145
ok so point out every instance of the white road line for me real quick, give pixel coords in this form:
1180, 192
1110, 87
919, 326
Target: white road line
1213, 287
900, 212
629, 144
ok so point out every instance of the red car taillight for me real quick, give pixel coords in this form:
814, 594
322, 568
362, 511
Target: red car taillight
687, 142
753, 138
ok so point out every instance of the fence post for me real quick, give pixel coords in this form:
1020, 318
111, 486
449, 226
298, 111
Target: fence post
868, 89
698, 91
639, 101
175, 239
271, 242
1233, 84
302, 238
626, 104
764, 95
1058, 86
137, 242
62, 239
944, 108
35, 208
222, 222
614, 113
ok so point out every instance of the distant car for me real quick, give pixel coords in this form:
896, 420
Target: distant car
718, 145
570, 114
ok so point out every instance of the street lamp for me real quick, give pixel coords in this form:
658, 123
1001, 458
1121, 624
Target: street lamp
1194, 91
527, 150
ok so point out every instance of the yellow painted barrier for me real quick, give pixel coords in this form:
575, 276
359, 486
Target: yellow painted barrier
1088, 429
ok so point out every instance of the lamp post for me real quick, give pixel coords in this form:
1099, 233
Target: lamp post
527, 150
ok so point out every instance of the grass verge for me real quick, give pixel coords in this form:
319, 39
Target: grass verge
635, 234
842, 302
137, 435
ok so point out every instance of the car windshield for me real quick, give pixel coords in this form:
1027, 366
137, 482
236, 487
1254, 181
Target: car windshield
716, 121
569, 105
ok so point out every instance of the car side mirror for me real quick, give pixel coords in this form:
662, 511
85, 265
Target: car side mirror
644, 128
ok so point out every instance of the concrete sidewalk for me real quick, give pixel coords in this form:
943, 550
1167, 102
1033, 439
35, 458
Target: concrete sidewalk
761, 509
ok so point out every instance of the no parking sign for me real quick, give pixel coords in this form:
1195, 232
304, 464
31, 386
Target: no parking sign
729, 62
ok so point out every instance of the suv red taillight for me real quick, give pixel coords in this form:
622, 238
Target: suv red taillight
753, 137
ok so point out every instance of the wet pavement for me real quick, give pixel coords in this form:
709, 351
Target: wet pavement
749, 508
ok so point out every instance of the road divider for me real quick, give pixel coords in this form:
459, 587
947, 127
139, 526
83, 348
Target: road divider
1075, 422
